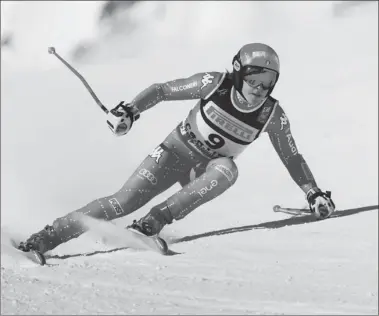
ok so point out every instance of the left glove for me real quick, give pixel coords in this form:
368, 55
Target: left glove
121, 118
321, 203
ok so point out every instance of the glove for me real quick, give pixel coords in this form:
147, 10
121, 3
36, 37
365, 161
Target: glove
121, 118
320, 203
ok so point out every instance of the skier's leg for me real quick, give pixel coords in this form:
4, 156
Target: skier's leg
220, 174
159, 171
152, 177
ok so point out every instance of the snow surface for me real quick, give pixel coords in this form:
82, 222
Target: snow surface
235, 255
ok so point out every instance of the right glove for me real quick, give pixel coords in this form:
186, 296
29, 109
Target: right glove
321, 203
121, 118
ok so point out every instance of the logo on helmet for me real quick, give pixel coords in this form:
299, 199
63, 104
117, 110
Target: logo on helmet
259, 54
236, 65
268, 57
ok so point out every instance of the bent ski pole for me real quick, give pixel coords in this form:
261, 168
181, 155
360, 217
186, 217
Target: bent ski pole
292, 211
51, 50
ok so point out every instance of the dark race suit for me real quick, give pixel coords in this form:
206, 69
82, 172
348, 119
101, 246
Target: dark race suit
199, 153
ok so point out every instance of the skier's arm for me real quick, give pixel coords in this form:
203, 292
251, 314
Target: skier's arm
198, 86
281, 137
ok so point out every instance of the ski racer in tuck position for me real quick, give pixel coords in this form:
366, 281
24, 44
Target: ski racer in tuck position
233, 110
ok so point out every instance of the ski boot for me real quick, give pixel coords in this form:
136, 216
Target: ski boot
151, 224
41, 242
146, 233
142, 227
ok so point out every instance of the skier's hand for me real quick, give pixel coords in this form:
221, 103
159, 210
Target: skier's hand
320, 203
121, 118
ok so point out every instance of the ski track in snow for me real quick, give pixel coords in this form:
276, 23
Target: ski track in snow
234, 255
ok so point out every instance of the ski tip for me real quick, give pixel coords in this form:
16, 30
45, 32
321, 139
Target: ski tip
162, 246
39, 257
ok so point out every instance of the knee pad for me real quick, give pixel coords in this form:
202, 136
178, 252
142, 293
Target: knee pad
226, 167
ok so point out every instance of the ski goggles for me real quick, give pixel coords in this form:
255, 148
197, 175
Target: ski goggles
255, 75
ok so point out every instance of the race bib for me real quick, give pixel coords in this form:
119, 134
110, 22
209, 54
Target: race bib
235, 136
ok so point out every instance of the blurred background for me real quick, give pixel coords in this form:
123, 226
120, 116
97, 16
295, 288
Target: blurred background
57, 153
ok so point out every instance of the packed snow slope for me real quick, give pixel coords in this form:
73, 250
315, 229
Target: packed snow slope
236, 256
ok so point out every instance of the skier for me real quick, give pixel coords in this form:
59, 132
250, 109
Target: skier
233, 110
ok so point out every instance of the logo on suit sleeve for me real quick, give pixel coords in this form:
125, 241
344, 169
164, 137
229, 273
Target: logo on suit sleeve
116, 206
222, 92
144, 173
265, 113
157, 153
207, 79
291, 144
283, 121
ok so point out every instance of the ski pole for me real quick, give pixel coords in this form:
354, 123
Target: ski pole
292, 211
51, 50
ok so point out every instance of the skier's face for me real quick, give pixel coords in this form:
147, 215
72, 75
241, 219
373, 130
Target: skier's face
257, 82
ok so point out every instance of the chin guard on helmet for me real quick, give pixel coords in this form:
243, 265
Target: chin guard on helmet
257, 55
